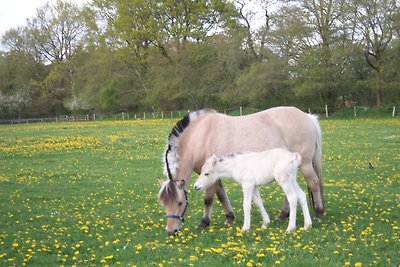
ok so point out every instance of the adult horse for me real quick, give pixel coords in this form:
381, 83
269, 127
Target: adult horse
203, 133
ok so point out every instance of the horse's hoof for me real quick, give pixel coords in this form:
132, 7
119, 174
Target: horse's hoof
204, 223
318, 215
228, 224
282, 216
230, 217
306, 227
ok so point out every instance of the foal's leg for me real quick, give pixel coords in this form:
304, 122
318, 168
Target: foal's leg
291, 195
304, 206
284, 211
248, 191
226, 204
314, 184
259, 203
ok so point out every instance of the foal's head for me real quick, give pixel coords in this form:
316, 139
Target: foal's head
208, 175
173, 197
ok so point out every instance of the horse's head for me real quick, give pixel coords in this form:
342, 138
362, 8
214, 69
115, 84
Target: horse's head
173, 197
208, 175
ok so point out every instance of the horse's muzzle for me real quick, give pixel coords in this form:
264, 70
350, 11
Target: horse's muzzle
172, 231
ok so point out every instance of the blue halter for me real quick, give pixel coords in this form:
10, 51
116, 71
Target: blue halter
181, 217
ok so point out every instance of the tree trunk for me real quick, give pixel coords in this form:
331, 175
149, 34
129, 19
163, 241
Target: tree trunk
378, 89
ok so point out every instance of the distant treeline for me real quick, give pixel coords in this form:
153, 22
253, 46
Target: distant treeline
131, 55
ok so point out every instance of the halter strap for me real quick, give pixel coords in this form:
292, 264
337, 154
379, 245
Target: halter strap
181, 217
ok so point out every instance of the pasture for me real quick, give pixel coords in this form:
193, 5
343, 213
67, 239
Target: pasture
85, 194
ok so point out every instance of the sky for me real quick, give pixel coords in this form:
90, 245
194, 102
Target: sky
13, 13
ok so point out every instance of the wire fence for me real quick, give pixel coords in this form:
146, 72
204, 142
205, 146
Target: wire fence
238, 111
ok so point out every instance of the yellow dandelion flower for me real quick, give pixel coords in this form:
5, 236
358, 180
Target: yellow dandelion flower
193, 258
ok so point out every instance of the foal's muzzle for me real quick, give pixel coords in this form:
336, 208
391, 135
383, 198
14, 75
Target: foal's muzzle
197, 187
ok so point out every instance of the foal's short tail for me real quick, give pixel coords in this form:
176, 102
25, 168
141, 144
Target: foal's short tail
296, 161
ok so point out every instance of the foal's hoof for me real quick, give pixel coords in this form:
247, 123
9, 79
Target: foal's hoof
282, 216
290, 230
264, 225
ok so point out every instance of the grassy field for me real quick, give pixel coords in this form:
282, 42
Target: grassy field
85, 194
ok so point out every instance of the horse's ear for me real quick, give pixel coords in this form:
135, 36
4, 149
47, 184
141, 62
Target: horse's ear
181, 184
160, 181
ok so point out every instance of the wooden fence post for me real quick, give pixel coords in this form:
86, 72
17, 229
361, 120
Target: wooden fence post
394, 111
326, 111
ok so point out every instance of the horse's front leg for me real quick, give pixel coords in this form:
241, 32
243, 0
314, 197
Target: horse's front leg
226, 204
248, 191
208, 202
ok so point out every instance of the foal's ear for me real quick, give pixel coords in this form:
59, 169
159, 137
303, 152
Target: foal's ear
214, 159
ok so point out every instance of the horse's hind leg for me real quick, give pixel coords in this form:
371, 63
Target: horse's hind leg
226, 204
314, 184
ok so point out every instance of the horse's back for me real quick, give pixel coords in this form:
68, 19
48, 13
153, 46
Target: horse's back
217, 133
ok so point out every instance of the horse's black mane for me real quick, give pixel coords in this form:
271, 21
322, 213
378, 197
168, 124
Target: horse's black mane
178, 129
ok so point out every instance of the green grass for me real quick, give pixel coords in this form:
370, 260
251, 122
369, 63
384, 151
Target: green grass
85, 194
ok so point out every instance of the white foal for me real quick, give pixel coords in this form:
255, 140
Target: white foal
252, 170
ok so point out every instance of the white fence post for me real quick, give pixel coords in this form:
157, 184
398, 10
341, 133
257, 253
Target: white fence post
394, 111
326, 111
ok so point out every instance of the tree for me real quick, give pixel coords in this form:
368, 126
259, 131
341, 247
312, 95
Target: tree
377, 21
58, 30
